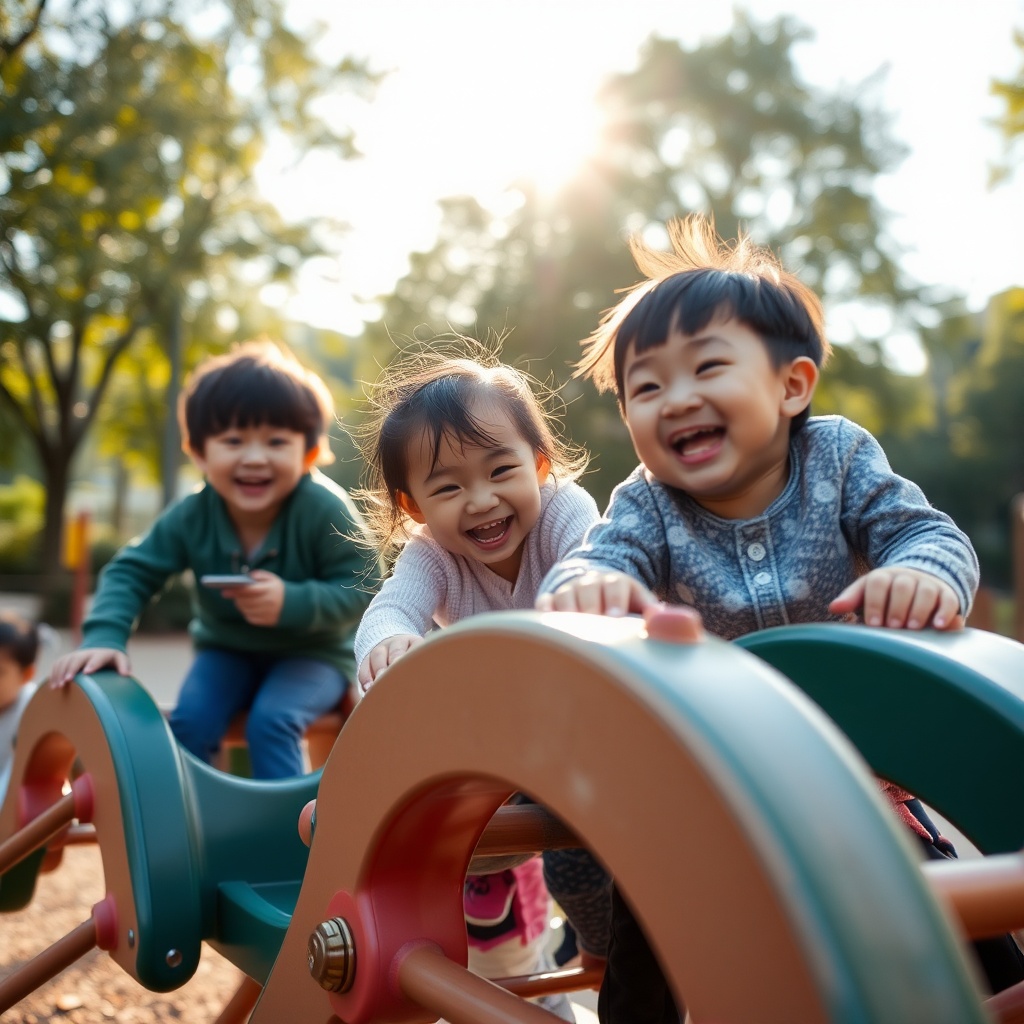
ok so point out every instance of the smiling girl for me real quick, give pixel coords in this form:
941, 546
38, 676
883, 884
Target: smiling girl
469, 482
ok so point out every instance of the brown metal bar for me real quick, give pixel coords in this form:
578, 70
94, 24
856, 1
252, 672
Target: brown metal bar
431, 980
35, 834
524, 828
514, 834
78, 835
48, 964
239, 1006
986, 894
529, 986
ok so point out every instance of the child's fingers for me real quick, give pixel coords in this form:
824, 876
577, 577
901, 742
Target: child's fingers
363, 676
640, 598
876, 598
618, 596
902, 590
850, 599
947, 615
926, 603
376, 662
578, 595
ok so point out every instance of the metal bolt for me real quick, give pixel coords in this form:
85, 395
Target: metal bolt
131, 938
173, 957
331, 955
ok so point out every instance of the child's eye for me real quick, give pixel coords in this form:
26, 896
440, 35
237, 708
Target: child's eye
710, 364
644, 388
446, 489
501, 470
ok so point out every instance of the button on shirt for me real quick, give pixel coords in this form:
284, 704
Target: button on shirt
842, 512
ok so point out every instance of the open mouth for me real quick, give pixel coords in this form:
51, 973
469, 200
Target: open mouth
698, 443
492, 534
253, 486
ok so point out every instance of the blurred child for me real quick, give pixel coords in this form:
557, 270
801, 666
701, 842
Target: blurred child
277, 642
743, 506
469, 482
19, 648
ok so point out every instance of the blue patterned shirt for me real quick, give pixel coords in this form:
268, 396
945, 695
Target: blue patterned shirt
842, 512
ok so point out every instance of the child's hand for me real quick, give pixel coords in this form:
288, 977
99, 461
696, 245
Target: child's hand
384, 655
86, 661
600, 593
260, 602
901, 598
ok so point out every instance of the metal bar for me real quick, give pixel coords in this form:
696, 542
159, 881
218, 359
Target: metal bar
431, 980
987, 894
48, 964
524, 828
35, 834
549, 983
239, 1006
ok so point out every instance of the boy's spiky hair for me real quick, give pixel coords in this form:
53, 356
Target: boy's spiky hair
703, 279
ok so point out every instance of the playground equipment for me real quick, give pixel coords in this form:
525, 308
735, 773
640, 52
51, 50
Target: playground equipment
739, 821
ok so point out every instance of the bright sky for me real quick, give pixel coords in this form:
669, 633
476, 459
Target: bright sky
486, 90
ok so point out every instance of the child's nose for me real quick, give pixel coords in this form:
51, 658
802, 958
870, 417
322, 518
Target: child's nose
681, 397
482, 498
254, 452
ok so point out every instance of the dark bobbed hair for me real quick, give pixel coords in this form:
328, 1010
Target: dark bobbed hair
258, 382
19, 638
434, 392
702, 281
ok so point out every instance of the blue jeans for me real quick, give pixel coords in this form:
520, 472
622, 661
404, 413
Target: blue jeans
282, 695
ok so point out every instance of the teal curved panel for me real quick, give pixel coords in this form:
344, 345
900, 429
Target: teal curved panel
941, 714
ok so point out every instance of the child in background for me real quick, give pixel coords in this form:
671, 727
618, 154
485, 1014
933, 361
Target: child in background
468, 481
279, 643
746, 508
19, 648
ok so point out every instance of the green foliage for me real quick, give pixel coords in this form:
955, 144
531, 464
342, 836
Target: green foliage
1011, 122
726, 127
21, 523
128, 203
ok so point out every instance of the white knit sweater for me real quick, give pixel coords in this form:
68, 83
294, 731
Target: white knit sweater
430, 586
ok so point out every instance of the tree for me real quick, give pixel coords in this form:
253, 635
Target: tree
726, 127
1011, 122
127, 197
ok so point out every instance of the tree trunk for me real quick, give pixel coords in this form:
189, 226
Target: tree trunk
55, 476
170, 452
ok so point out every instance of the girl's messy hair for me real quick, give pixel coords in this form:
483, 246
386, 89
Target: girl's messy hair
431, 391
704, 279
257, 382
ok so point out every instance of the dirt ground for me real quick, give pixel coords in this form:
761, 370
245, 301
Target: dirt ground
95, 990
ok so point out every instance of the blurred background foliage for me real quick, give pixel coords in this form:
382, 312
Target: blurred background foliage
134, 241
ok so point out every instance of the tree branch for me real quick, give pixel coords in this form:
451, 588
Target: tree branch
9, 47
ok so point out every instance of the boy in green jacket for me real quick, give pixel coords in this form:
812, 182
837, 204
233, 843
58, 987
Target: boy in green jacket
275, 546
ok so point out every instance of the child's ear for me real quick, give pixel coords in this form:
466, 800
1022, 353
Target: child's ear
543, 467
800, 379
28, 673
197, 458
311, 457
409, 507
